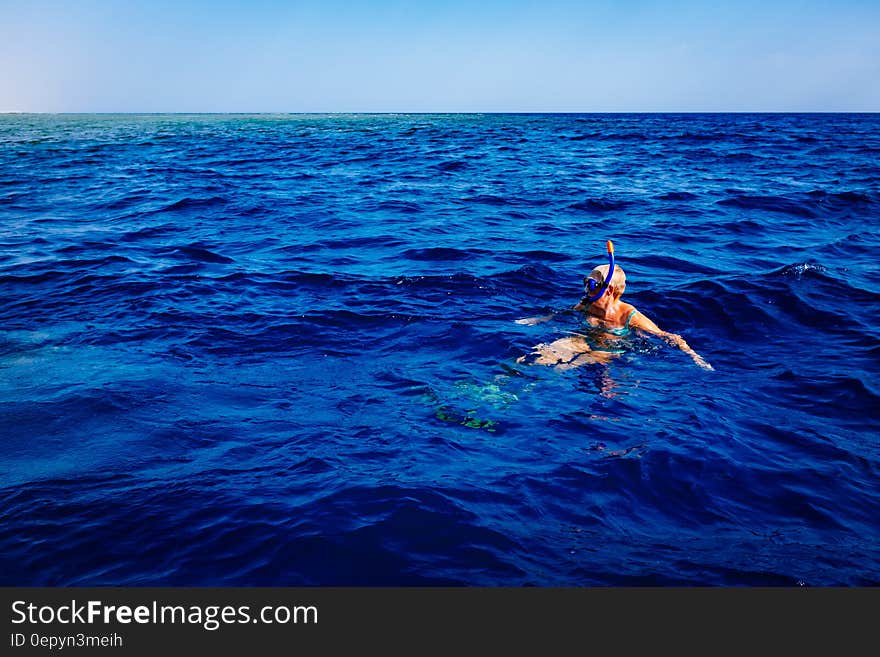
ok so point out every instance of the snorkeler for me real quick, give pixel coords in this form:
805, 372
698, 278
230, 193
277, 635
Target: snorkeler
612, 319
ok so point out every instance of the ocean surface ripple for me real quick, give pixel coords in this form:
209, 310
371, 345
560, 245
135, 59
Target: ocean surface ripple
281, 350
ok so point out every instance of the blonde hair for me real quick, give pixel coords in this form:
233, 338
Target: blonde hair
618, 279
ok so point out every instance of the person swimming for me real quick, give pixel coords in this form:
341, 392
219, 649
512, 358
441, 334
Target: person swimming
609, 319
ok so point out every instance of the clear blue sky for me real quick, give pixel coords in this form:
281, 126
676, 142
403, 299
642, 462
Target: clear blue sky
395, 56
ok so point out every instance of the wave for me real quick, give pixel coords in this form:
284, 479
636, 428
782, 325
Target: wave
195, 252
128, 200
850, 394
439, 253
678, 196
486, 199
148, 232
769, 204
600, 205
842, 199
808, 205
452, 165
194, 203
409, 207
372, 241
798, 270
541, 255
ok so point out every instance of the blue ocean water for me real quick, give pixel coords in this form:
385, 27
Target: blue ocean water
281, 350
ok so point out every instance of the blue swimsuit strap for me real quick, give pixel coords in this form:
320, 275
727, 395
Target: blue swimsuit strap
629, 317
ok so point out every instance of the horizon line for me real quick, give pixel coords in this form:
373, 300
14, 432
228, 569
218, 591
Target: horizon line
423, 112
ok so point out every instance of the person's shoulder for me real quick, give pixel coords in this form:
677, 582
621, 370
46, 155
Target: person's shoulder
633, 317
639, 320
627, 309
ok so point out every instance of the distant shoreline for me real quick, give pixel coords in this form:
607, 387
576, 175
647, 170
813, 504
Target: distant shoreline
452, 113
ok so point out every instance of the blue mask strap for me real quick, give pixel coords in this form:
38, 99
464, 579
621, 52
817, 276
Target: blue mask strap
592, 282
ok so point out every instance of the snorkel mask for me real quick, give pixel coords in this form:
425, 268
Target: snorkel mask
592, 287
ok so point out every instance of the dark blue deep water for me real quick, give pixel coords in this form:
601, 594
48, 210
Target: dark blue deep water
281, 350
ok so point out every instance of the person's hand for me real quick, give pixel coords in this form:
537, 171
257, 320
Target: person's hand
531, 321
678, 341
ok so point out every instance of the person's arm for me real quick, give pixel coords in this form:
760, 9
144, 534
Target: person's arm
529, 321
639, 321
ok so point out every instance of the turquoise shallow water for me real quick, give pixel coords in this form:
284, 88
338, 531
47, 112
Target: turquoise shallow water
281, 350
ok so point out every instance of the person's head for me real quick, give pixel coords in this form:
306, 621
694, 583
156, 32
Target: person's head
617, 284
